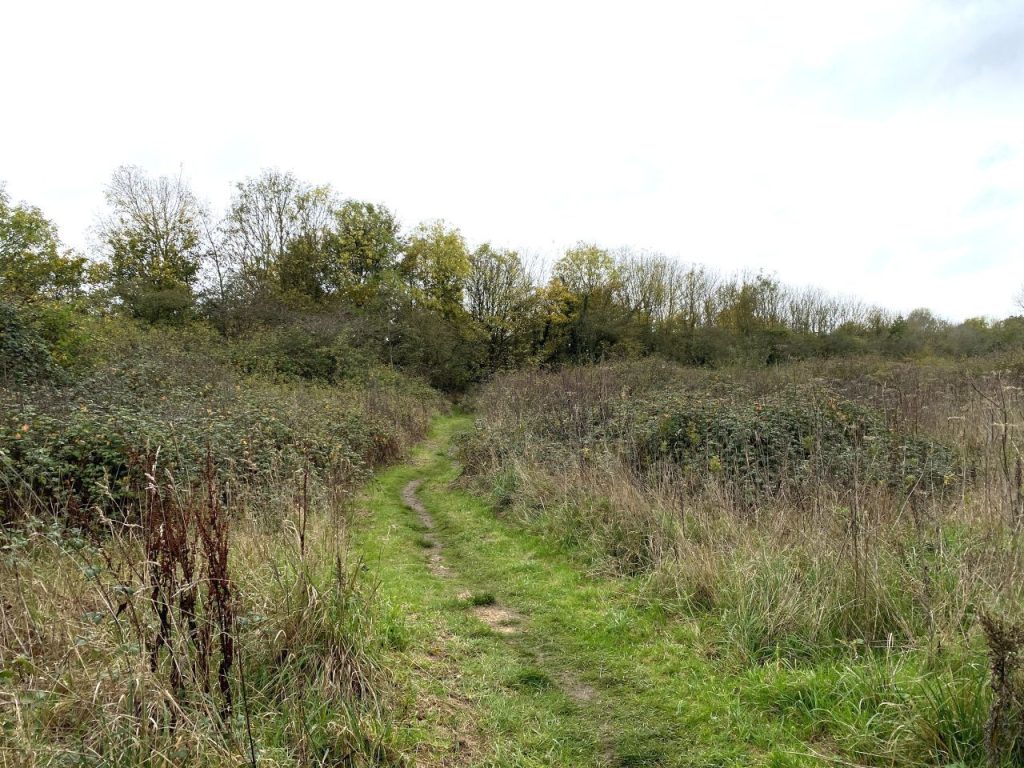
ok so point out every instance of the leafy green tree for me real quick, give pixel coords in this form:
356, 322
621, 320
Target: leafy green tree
585, 321
751, 305
751, 311
33, 263
587, 270
436, 263
305, 267
153, 241
500, 297
272, 254
363, 246
921, 331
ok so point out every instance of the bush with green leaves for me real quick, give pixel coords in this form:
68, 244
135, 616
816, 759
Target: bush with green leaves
789, 439
323, 353
24, 355
175, 397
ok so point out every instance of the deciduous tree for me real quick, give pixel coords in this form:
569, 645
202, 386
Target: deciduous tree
152, 240
586, 280
33, 263
500, 297
364, 246
436, 264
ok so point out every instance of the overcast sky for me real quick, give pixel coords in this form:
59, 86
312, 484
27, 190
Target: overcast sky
870, 148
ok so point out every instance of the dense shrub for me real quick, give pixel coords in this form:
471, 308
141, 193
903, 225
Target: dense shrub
764, 435
792, 438
176, 397
24, 355
324, 354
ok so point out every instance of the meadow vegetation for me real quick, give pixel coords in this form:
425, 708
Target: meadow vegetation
808, 506
176, 584
854, 529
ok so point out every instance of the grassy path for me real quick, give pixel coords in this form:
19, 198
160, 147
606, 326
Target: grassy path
513, 656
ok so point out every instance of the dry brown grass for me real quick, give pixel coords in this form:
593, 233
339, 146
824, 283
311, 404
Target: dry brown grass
802, 575
200, 637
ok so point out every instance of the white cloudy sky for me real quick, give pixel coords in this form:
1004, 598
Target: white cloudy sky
870, 147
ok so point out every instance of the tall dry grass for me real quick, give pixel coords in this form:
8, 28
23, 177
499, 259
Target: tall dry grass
198, 636
176, 583
817, 568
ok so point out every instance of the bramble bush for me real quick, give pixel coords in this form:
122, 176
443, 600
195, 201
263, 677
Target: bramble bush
785, 440
77, 445
24, 356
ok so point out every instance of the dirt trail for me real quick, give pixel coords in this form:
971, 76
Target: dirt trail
500, 619
411, 500
435, 558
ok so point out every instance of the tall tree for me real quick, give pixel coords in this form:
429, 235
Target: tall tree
587, 270
751, 304
646, 286
500, 296
436, 263
261, 222
33, 263
305, 267
364, 248
276, 234
152, 235
585, 281
696, 296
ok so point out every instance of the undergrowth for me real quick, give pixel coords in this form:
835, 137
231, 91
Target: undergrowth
176, 582
76, 445
850, 535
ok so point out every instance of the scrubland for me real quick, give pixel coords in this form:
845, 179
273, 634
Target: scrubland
176, 584
727, 521
852, 531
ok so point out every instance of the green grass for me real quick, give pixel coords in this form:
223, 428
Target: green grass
483, 598
594, 673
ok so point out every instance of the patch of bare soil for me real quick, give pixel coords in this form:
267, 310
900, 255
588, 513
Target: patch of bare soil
435, 560
577, 690
436, 564
499, 619
410, 500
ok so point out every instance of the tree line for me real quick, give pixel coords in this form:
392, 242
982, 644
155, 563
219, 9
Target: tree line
287, 254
